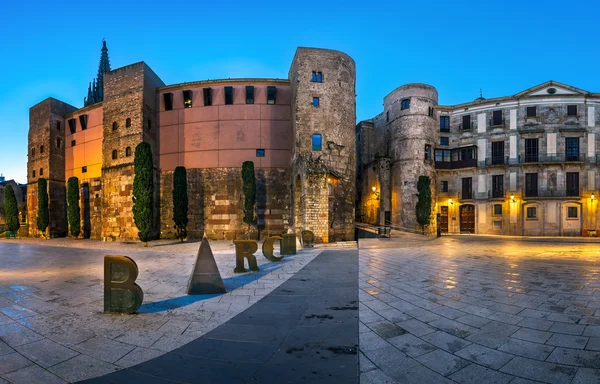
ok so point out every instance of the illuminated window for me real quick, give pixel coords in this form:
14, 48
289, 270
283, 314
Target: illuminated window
228, 95
168, 99
317, 142
271, 94
249, 94
187, 99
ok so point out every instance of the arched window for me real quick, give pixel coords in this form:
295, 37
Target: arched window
115, 126
33, 173
128, 151
128, 123
41, 171
114, 154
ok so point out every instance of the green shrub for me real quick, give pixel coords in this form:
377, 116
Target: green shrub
424, 203
180, 202
11, 210
143, 191
73, 211
43, 216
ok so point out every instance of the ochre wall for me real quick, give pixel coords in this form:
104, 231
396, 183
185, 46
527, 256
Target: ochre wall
88, 147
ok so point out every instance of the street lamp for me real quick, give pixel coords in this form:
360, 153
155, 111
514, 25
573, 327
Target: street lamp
512, 197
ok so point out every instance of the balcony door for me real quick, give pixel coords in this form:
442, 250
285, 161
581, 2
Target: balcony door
467, 188
531, 184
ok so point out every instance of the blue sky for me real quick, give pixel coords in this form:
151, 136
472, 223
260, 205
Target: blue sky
503, 47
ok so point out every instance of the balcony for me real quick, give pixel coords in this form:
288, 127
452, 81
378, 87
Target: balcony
469, 127
497, 160
494, 123
465, 195
451, 158
552, 158
551, 193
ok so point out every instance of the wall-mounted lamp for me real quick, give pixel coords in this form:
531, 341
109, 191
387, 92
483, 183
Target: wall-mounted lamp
450, 202
329, 179
374, 189
593, 197
512, 197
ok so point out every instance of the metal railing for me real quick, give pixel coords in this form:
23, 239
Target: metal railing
470, 127
552, 192
552, 158
496, 124
465, 195
497, 160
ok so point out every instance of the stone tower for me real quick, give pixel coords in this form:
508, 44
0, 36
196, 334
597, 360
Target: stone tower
46, 159
410, 112
323, 160
129, 117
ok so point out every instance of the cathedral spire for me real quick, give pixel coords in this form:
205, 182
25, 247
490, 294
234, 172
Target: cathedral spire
96, 91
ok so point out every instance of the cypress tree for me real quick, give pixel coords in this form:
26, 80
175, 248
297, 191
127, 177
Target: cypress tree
423, 207
249, 189
11, 210
143, 191
180, 202
43, 216
73, 211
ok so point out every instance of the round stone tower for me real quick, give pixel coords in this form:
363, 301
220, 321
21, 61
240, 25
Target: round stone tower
410, 112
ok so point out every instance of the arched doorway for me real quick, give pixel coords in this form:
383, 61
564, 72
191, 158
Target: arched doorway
467, 218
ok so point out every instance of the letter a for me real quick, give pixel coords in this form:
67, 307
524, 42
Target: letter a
121, 293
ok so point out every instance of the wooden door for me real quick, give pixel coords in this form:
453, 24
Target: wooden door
467, 218
444, 219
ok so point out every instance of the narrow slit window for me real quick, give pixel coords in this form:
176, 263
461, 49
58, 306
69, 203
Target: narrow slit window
207, 93
128, 151
271, 94
73, 143
316, 101
115, 125
72, 125
187, 99
41, 149
83, 120
58, 125
32, 151
149, 125
41, 171
84, 169
319, 77
114, 154
314, 77
260, 153
228, 95
168, 99
33, 173
387, 117
317, 142
128, 123
58, 142
249, 94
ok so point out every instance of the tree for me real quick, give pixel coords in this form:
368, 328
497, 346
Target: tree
424, 203
249, 189
73, 211
43, 216
180, 202
11, 210
143, 191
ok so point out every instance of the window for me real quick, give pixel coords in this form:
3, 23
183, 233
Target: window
115, 125
444, 141
58, 125
73, 143
187, 99
168, 99
571, 110
83, 120
427, 152
249, 94
33, 173
405, 104
467, 188
497, 209
466, 123
315, 101
128, 123
41, 149
497, 152
442, 155
572, 212
572, 183
149, 125
271, 94
128, 151
572, 148
32, 151
260, 153
316, 142
531, 184
497, 225
228, 95
497, 117
84, 169
444, 123
207, 93
58, 142
41, 171
531, 111
431, 111
444, 186
72, 125
497, 186
114, 154
317, 77
531, 150
532, 212
387, 117
466, 154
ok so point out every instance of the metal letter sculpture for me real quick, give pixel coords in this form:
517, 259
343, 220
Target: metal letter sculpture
288, 244
121, 293
267, 248
245, 249
205, 278
308, 238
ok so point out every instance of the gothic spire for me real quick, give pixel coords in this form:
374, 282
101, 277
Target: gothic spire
96, 90
88, 100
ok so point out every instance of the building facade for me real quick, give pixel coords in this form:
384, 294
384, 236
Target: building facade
299, 132
525, 164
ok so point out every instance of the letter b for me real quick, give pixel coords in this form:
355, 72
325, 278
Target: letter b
121, 293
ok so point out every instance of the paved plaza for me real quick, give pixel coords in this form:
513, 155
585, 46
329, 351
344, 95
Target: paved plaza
463, 309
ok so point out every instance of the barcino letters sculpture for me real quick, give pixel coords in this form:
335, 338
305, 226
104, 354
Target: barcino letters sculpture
121, 293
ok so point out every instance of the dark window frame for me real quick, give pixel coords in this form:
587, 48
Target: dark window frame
271, 94
572, 110
531, 212
497, 152
572, 183
569, 213
128, 152
228, 95
532, 150
84, 169
188, 97
444, 186
316, 101
444, 123
444, 141
249, 94
497, 117
317, 146
531, 111
83, 120
260, 152
466, 122
572, 149
405, 104
168, 101
207, 95
72, 125
115, 126
531, 184
115, 154
467, 188
497, 210
497, 186
73, 143
128, 123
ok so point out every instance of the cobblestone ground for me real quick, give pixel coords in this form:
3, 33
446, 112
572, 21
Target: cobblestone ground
52, 329
480, 310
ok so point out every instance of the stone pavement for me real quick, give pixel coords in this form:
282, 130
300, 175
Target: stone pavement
52, 329
473, 310
305, 331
